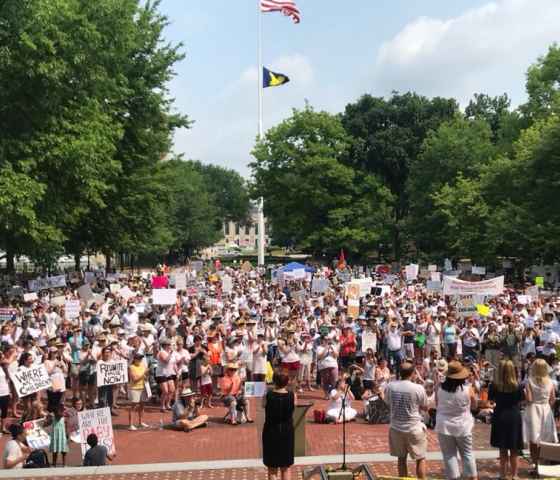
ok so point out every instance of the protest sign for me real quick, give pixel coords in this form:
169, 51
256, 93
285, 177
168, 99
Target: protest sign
85, 292
523, 299
7, 314
434, 286
35, 435
483, 310
353, 294
164, 296
432, 268
478, 270
255, 389
246, 266
112, 373
180, 281
38, 284
227, 284
533, 292
539, 282
96, 421
299, 296
198, 265
58, 301
435, 276
319, 285
126, 293
30, 380
454, 286
369, 340
465, 305
411, 272
72, 309
30, 297
89, 277
114, 287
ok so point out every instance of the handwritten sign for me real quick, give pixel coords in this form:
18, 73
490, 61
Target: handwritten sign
369, 340
30, 380
72, 309
164, 296
112, 373
96, 421
35, 435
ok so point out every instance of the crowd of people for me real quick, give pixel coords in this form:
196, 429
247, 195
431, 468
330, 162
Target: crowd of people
408, 354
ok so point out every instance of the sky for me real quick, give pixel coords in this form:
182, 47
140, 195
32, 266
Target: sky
341, 50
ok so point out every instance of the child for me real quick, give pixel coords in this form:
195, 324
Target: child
206, 382
59, 436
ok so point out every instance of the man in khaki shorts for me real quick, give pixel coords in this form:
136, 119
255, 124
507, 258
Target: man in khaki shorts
407, 432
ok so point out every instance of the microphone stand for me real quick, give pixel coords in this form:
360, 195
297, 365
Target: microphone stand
342, 414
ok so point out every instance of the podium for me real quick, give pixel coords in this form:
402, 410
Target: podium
300, 413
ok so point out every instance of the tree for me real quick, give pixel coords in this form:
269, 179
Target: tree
229, 191
387, 136
455, 152
312, 199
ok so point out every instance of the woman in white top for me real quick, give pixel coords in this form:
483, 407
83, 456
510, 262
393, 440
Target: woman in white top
166, 374
454, 422
334, 408
538, 417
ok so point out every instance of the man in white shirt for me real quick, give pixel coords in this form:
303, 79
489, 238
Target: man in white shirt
394, 347
407, 432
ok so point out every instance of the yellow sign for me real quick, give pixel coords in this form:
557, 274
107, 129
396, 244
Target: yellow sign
483, 310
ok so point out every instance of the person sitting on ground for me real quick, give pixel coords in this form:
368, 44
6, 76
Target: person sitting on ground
233, 396
15, 450
185, 412
97, 455
334, 409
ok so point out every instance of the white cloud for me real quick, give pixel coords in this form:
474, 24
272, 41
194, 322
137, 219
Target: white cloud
487, 49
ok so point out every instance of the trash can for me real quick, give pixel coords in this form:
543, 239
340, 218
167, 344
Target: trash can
300, 421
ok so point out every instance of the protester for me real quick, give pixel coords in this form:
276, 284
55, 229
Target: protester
278, 431
137, 376
59, 436
539, 425
15, 450
407, 432
507, 428
335, 412
454, 422
97, 455
186, 416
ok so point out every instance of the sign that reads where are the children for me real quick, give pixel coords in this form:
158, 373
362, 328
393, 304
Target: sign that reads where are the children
30, 380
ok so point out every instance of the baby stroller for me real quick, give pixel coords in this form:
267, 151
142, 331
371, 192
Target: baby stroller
377, 411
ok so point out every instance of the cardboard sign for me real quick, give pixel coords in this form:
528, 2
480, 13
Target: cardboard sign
96, 421
30, 297
533, 292
523, 299
539, 282
353, 294
72, 309
180, 281
454, 286
30, 380
35, 435
435, 276
255, 389
164, 296
227, 284
112, 373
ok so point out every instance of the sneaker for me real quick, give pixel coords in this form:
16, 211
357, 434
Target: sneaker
144, 425
132, 428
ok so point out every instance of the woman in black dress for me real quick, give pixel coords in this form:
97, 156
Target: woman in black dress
278, 431
507, 427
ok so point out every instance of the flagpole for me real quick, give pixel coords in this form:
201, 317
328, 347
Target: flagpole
261, 239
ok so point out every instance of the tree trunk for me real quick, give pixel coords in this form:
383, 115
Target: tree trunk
77, 256
107, 261
10, 264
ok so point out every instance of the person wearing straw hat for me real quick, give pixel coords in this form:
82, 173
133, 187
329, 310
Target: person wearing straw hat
232, 393
185, 414
454, 422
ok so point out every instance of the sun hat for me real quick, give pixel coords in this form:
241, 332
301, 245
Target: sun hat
441, 366
232, 366
187, 392
456, 371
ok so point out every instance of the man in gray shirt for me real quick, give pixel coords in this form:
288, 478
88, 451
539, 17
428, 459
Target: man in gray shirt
407, 432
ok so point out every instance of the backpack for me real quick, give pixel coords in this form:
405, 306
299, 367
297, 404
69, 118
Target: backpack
37, 459
320, 416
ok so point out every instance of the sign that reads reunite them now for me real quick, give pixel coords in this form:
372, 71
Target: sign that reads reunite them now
112, 373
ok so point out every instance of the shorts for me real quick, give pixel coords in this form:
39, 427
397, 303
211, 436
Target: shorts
413, 443
291, 366
206, 390
4, 402
160, 380
184, 376
136, 396
87, 380
217, 371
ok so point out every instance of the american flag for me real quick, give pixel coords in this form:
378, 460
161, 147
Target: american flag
287, 7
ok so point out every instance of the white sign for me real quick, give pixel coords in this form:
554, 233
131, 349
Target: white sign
433, 286
180, 281
58, 301
96, 421
85, 292
227, 284
369, 340
411, 272
319, 285
30, 297
164, 296
30, 380
46, 283
126, 293
478, 270
523, 299
255, 389
465, 305
112, 373
114, 287
72, 309
35, 435
435, 276
533, 292
432, 268
454, 286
